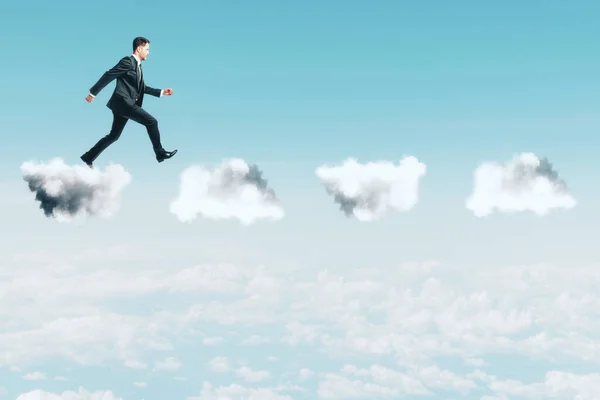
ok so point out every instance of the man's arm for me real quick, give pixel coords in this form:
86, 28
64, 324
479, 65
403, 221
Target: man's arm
152, 91
122, 67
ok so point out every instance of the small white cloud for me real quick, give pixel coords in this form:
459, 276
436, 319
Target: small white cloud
233, 190
524, 183
305, 373
81, 394
236, 391
34, 376
168, 364
141, 384
555, 385
477, 362
211, 341
135, 364
69, 193
299, 332
252, 376
369, 191
219, 364
255, 340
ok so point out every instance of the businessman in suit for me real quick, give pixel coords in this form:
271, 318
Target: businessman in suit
126, 102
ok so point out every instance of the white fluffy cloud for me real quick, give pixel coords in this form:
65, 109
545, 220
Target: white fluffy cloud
69, 313
524, 183
171, 363
75, 192
34, 376
369, 191
81, 394
237, 391
233, 190
555, 385
420, 329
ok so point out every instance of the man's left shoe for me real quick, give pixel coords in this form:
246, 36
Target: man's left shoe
163, 155
89, 163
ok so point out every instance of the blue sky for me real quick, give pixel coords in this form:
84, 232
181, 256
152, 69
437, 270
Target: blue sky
292, 86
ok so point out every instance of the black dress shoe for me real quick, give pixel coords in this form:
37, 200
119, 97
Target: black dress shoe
89, 163
164, 155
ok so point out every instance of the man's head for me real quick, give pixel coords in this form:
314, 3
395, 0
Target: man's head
141, 47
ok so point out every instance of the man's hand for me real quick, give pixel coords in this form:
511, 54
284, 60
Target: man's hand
89, 98
167, 92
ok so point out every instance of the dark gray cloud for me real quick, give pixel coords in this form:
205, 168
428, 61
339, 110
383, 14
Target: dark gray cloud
66, 192
526, 170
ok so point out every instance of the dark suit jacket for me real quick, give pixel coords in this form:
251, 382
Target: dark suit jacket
127, 92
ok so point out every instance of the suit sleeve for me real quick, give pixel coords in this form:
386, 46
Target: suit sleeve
152, 91
122, 67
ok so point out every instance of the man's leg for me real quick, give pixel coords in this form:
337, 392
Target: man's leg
115, 132
141, 116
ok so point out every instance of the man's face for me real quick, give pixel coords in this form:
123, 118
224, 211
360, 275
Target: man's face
144, 50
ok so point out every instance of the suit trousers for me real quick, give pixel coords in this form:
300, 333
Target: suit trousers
120, 118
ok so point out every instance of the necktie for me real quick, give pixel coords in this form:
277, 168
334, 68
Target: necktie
139, 75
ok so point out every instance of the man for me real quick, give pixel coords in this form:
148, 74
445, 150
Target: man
126, 102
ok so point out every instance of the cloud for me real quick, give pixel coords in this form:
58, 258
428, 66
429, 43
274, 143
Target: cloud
212, 341
81, 394
70, 192
222, 365
386, 384
369, 191
556, 385
409, 329
305, 373
169, 364
233, 190
523, 183
255, 340
249, 375
70, 299
34, 376
135, 364
219, 364
236, 391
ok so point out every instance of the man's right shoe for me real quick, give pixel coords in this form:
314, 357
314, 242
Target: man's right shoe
163, 155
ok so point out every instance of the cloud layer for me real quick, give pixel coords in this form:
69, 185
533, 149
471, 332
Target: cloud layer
369, 191
523, 183
419, 329
81, 394
233, 190
71, 192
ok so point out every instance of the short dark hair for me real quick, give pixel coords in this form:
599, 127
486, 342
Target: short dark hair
139, 41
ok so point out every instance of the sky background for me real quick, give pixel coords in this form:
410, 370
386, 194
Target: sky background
291, 86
